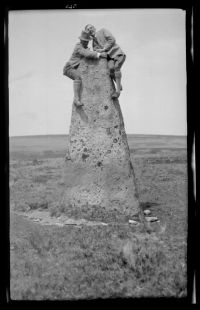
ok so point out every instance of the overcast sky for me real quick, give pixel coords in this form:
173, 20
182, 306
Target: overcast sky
153, 100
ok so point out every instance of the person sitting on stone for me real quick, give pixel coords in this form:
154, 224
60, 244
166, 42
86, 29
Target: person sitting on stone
70, 69
104, 41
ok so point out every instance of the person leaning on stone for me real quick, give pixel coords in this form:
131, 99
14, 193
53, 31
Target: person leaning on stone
70, 69
104, 41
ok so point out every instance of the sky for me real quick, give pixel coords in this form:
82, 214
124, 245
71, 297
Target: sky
153, 100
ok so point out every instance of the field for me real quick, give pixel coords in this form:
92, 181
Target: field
58, 257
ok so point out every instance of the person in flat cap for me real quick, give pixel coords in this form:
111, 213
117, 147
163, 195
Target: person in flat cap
70, 69
104, 41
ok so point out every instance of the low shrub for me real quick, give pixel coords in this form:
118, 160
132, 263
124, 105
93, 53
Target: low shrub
154, 267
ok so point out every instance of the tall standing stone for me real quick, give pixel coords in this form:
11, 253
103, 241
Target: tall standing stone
99, 177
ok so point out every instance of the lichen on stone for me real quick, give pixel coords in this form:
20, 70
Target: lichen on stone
100, 170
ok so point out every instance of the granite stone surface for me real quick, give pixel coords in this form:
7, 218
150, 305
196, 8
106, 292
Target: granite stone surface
98, 170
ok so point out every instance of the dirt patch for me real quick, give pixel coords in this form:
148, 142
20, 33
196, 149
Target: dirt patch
44, 218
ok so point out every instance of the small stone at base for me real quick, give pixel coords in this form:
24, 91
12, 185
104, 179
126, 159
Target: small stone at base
132, 222
151, 219
147, 212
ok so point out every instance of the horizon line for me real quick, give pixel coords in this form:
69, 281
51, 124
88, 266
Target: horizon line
62, 134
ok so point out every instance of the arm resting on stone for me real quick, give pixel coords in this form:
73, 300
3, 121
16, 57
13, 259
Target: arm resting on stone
95, 45
87, 53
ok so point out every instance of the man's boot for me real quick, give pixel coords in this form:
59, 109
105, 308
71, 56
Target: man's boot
118, 77
77, 88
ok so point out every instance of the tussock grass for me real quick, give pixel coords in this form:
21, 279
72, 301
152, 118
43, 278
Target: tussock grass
153, 267
91, 262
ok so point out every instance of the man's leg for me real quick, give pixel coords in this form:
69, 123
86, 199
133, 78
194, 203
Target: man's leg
73, 74
77, 88
111, 67
118, 75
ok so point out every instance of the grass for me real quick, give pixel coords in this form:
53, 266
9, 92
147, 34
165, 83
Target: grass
78, 263
118, 260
